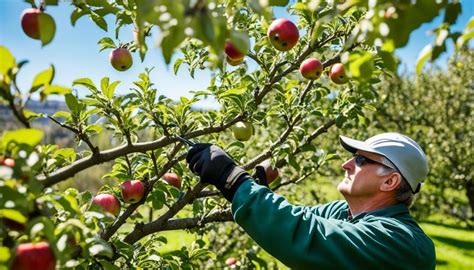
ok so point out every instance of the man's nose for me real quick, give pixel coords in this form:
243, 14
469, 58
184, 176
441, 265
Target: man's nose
349, 164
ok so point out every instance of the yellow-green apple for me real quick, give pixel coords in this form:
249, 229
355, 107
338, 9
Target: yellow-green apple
172, 179
121, 59
38, 25
108, 203
242, 131
132, 191
233, 52
337, 74
234, 63
271, 172
311, 68
230, 261
34, 256
283, 34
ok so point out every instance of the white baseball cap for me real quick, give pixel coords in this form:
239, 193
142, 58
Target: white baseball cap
407, 156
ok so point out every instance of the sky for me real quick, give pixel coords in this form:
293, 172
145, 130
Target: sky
74, 52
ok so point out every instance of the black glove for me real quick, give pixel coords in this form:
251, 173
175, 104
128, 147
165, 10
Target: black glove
215, 167
260, 176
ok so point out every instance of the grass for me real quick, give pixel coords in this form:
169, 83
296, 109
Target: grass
454, 245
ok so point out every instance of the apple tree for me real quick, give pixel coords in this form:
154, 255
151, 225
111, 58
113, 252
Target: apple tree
275, 105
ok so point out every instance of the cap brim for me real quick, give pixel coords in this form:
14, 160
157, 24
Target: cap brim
352, 145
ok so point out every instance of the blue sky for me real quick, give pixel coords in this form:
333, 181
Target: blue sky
74, 51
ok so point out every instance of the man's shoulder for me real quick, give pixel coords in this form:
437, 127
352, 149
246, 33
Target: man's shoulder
336, 209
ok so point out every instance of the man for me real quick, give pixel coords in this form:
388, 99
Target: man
371, 229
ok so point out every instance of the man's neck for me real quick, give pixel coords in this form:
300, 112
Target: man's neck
363, 205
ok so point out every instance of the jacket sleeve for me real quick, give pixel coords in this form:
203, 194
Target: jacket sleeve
309, 238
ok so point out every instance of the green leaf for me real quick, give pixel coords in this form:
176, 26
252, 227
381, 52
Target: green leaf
176, 65
104, 84
68, 154
14, 215
85, 82
240, 40
106, 43
101, 248
97, 3
169, 41
108, 265
40, 226
30, 115
31, 137
72, 103
99, 21
55, 90
424, 55
111, 89
293, 162
233, 92
452, 12
7, 62
257, 6
94, 129
463, 39
388, 60
470, 23
47, 28
280, 3
361, 65
43, 78
4, 254
51, 2
61, 114
77, 14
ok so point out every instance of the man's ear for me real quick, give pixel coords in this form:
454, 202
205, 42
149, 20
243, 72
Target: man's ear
392, 182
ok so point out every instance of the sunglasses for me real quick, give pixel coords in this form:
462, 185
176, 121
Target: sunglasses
361, 160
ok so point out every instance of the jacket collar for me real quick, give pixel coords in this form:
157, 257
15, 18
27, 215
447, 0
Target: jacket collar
391, 211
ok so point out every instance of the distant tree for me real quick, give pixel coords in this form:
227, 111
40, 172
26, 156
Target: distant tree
437, 109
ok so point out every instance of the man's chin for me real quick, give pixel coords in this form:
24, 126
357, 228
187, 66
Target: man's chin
344, 186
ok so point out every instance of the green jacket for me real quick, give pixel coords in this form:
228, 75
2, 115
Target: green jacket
324, 237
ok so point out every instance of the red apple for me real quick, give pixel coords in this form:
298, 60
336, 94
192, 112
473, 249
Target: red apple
9, 162
108, 203
38, 25
121, 59
242, 131
283, 34
234, 63
311, 69
132, 191
230, 261
337, 74
232, 52
172, 179
34, 256
271, 172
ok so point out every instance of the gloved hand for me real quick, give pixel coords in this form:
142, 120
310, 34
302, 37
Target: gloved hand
215, 167
260, 176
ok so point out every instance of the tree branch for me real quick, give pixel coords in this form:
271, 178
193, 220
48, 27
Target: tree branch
122, 218
157, 225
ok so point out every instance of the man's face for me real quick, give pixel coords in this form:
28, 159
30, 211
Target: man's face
361, 182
